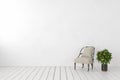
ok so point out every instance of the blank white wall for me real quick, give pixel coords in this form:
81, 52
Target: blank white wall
51, 32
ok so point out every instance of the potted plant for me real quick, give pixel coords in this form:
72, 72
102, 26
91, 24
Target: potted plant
104, 57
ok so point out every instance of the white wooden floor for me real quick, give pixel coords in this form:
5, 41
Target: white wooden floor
57, 73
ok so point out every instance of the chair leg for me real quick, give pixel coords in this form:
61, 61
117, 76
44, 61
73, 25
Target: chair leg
88, 67
82, 65
74, 66
92, 66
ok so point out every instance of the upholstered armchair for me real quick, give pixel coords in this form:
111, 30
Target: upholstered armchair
86, 56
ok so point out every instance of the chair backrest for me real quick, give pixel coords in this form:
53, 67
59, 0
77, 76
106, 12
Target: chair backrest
88, 51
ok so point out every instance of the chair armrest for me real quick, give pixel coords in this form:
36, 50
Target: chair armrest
80, 54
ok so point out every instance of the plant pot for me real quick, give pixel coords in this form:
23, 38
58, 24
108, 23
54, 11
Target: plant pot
104, 67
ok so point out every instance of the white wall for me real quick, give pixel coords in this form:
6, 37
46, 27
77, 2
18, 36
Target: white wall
51, 32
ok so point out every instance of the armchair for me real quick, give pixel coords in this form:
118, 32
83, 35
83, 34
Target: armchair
86, 56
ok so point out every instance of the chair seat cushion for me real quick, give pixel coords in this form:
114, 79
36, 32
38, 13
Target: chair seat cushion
84, 60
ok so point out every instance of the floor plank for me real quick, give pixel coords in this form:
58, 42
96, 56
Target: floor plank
39, 74
51, 73
69, 73
45, 74
75, 74
63, 74
9, 74
28, 73
58, 73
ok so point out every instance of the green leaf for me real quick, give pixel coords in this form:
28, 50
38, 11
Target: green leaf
104, 56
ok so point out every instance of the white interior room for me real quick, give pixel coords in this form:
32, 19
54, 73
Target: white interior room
52, 32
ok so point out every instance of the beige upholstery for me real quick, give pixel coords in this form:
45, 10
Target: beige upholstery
86, 56
84, 60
